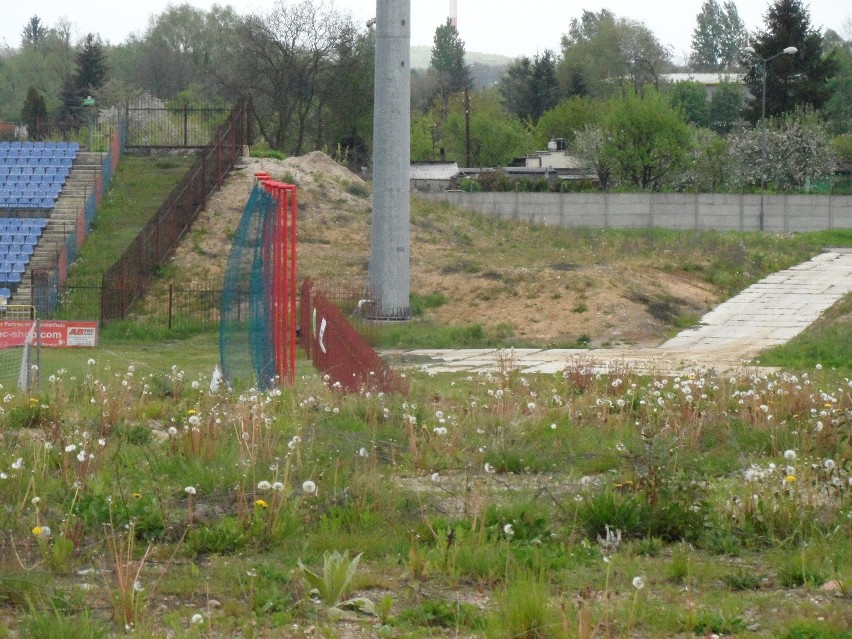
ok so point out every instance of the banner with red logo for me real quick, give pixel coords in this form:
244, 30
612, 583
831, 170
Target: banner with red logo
51, 333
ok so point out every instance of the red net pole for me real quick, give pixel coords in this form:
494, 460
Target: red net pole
292, 288
282, 260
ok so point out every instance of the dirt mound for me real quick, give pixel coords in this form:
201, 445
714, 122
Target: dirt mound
552, 297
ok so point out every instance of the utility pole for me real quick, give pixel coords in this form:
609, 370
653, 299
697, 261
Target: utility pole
468, 161
390, 260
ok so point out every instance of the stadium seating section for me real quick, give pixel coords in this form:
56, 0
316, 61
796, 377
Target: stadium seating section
32, 173
18, 239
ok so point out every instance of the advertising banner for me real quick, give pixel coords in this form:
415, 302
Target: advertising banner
52, 333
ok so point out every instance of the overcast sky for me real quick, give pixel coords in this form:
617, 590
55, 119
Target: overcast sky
507, 27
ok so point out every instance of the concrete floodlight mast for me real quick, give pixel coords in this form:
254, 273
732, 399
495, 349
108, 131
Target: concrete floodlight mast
390, 268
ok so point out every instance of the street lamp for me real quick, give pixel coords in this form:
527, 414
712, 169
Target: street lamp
751, 51
89, 105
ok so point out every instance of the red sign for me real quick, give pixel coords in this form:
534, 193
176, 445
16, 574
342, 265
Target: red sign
51, 333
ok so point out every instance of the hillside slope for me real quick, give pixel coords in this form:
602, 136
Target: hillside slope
544, 286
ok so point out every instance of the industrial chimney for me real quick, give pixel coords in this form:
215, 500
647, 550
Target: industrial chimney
454, 13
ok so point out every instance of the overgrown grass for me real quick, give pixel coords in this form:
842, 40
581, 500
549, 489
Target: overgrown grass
136, 191
499, 504
828, 342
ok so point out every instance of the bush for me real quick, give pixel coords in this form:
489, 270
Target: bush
617, 511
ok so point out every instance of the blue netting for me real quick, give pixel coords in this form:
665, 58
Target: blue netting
247, 353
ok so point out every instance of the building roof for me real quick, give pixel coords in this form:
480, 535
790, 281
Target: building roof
434, 170
707, 79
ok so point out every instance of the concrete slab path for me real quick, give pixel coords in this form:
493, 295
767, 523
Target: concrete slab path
768, 313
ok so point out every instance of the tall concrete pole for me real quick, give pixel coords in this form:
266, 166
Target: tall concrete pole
390, 268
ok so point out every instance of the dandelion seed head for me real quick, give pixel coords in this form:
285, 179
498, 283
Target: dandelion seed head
638, 583
309, 487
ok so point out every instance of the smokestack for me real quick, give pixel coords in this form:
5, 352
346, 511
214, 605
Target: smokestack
454, 13
390, 238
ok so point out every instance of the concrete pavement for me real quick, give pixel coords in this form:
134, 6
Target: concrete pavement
766, 314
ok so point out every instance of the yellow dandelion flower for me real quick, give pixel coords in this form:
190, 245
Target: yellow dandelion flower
37, 531
261, 504
191, 411
137, 495
790, 479
33, 401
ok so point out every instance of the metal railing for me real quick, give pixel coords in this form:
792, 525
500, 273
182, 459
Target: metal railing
125, 281
167, 127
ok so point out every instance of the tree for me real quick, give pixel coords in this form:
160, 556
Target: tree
34, 114
448, 60
798, 151
529, 88
838, 108
91, 73
718, 37
726, 104
691, 99
282, 61
645, 139
567, 118
791, 80
34, 33
346, 119
604, 55
589, 145
707, 165
92, 70
496, 136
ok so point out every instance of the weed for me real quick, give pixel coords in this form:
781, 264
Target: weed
225, 537
421, 303
334, 584
741, 580
611, 510
814, 630
53, 624
443, 614
648, 547
719, 623
524, 612
358, 189
796, 574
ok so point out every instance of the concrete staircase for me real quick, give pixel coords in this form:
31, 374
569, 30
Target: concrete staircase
62, 220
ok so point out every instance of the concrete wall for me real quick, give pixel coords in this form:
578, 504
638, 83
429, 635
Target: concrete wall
703, 211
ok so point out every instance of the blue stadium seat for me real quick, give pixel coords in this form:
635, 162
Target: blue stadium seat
5, 292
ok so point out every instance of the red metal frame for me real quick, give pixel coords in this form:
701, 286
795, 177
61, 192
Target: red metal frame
284, 275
